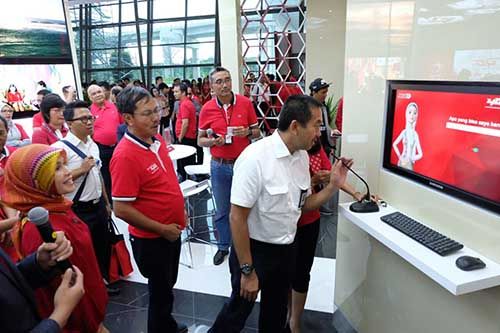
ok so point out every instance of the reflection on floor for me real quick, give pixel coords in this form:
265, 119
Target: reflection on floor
202, 289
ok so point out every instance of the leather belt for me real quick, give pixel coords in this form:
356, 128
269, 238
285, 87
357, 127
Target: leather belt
222, 160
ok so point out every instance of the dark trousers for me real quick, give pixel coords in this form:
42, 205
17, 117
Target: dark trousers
304, 248
273, 267
190, 160
96, 218
158, 261
105, 153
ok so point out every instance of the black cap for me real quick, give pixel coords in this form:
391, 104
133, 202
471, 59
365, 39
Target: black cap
319, 84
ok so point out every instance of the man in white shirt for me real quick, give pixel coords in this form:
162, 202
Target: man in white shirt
90, 202
271, 187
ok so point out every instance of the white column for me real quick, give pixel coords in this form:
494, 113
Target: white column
230, 40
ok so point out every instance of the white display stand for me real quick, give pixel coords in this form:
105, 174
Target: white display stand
441, 269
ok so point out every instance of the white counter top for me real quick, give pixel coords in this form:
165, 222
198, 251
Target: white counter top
441, 269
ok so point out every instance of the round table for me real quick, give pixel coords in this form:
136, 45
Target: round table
178, 152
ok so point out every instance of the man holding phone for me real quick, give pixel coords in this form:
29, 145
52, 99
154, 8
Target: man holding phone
231, 121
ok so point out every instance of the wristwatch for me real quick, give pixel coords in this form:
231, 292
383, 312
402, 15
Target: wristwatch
246, 269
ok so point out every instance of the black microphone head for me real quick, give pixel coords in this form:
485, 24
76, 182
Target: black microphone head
38, 215
210, 132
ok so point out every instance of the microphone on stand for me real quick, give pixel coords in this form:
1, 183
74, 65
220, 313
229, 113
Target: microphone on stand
366, 205
40, 217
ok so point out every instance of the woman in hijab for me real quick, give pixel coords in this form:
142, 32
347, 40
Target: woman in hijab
36, 175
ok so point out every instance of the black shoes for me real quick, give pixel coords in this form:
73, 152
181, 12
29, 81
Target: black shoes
112, 291
219, 257
182, 328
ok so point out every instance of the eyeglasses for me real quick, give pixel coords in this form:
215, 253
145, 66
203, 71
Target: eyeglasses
57, 110
221, 81
85, 119
149, 113
7, 111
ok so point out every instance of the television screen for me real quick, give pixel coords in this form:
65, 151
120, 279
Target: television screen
36, 33
446, 135
20, 83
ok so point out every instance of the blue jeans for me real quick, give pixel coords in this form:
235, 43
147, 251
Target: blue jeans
222, 178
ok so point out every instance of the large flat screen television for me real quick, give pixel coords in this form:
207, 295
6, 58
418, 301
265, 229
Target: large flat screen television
446, 135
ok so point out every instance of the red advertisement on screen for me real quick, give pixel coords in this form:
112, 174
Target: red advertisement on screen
450, 137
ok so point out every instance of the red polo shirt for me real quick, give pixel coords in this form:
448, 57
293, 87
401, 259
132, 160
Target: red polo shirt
107, 121
186, 111
147, 180
46, 135
318, 161
239, 113
37, 119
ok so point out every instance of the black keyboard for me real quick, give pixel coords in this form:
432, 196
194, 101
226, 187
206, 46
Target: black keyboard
431, 239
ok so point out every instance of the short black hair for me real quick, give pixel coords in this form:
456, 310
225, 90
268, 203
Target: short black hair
4, 121
127, 99
298, 108
183, 87
43, 92
69, 110
48, 102
162, 86
65, 89
116, 90
217, 69
104, 84
42, 83
158, 78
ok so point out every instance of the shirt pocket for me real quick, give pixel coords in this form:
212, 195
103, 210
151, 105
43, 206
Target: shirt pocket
275, 199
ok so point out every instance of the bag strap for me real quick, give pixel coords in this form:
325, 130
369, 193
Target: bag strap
83, 156
112, 226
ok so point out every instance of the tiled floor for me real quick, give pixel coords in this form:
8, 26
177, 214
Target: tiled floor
127, 312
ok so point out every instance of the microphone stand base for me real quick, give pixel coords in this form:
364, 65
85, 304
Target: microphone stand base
364, 207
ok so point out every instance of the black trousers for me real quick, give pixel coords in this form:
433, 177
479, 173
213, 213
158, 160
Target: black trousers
304, 248
190, 160
158, 261
105, 153
96, 218
273, 267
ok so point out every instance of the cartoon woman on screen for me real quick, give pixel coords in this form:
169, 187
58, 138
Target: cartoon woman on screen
412, 151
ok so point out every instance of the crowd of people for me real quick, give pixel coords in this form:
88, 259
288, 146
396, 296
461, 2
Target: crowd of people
85, 161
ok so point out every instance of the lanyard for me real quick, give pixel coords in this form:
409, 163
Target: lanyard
226, 115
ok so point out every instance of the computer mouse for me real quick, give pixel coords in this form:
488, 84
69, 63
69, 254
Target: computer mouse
468, 263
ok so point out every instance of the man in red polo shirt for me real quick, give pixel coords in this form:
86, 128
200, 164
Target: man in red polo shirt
107, 120
185, 126
232, 120
147, 196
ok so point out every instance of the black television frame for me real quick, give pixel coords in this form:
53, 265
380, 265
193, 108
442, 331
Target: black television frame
439, 86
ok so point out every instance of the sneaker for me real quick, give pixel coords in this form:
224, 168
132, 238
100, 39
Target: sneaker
182, 328
219, 257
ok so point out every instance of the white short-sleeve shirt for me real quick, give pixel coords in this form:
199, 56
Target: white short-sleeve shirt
93, 187
272, 182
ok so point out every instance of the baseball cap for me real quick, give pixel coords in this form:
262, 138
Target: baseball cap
319, 84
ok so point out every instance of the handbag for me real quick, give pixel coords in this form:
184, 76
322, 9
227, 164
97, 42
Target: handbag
119, 264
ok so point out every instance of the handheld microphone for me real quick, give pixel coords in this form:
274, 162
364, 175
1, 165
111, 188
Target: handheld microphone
40, 217
211, 133
366, 205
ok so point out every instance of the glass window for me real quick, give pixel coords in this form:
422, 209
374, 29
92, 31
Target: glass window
103, 58
168, 33
202, 53
129, 35
105, 14
168, 55
196, 72
200, 30
168, 9
130, 56
104, 38
128, 11
168, 74
201, 7
115, 75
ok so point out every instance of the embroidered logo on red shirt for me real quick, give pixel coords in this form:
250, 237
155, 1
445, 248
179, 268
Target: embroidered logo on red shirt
153, 168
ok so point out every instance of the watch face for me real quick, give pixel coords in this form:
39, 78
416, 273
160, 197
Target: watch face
246, 269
